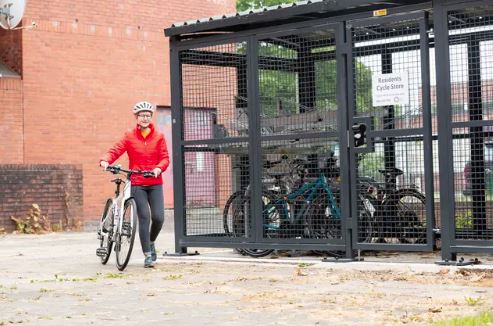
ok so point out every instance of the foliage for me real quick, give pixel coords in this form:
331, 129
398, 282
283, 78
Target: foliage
242, 5
463, 219
279, 88
483, 319
363, 87
36, 223
33, 222
369, 165
473, 301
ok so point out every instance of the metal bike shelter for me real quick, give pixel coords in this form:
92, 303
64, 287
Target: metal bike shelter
296, 83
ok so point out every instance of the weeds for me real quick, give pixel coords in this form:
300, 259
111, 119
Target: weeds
483, 319
473, 301
33, 223
172, 277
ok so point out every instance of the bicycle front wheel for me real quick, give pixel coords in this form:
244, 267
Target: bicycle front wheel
233, 212
126, 234
105, 233
272, 216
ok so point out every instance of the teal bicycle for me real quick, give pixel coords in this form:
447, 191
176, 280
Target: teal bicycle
311, 211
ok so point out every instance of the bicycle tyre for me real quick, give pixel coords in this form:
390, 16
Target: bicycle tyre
126, 235
366, 220
412, 221
106, 241
272, 217
234, 204
229, 217
320, 222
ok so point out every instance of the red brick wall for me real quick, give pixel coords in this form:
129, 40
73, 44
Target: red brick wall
11, 49
84, 67
57, 189
11, 120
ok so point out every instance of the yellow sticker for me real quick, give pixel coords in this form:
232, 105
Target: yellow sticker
381, 12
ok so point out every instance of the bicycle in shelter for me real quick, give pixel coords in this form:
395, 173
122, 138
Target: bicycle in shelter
309, 211
118, 224
394, 213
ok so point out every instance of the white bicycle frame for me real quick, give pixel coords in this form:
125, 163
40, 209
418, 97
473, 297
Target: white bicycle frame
117, 207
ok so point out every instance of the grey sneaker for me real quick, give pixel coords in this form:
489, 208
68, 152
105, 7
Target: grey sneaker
148, 261
153, 252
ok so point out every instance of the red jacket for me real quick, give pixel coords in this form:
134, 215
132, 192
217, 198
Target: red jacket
144, 154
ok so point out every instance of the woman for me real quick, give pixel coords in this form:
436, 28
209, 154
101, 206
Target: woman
146, 150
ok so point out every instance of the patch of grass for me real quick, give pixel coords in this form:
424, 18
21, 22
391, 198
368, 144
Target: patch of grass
473, 301
114, 275
483, 319
66, 279
172, 277
303, 265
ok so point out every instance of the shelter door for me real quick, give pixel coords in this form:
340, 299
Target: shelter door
390, 147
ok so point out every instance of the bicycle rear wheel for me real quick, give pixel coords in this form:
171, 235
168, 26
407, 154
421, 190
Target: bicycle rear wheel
105, 233
410, 208
321, 223
126, 235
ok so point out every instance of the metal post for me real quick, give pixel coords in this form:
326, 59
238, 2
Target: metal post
444, 117
343, 89
177, 132
477, 140
255, 150
427, 128
389, 118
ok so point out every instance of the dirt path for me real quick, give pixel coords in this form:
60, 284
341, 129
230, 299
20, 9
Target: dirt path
56, 279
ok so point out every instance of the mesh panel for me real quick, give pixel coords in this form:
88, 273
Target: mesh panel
471, 69
214, 80
215, 112
216, 177
300, 175
301, 185
297, 81
390, 176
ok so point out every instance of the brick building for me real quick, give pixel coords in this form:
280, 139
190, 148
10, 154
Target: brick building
67, 87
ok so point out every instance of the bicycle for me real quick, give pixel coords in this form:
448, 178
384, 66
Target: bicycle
392, 212
295, 214
118, 223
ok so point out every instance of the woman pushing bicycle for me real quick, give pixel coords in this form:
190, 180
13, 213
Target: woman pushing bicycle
147, 151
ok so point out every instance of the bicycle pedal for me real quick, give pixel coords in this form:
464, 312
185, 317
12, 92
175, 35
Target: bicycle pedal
101, 252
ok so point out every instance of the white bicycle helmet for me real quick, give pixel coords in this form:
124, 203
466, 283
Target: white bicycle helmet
143, 106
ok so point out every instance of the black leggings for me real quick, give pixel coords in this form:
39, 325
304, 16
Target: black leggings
150, 207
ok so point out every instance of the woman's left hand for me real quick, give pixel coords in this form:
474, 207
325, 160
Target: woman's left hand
157, 172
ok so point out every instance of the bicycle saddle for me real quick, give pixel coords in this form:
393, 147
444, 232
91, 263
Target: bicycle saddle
392, 171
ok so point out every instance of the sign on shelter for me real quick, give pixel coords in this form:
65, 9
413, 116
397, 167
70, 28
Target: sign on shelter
390, 89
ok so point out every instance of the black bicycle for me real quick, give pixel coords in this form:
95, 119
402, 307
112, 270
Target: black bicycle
391, 213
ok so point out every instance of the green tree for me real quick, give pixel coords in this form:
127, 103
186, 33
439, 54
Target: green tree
242, 5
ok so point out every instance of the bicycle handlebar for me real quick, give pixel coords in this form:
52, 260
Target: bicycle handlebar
117, 169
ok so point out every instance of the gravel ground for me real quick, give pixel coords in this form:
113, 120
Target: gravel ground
56, 279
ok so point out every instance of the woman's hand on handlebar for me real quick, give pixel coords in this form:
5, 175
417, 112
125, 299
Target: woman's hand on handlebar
157, 172
104, 164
